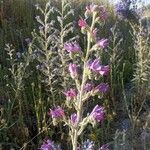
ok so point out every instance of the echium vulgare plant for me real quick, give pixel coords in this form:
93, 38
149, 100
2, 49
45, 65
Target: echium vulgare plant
85, 66
64, 29
18, 64
54, 27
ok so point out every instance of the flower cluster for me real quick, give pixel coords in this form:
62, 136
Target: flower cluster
85, 87
123, 9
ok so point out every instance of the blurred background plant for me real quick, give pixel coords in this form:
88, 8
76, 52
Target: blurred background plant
28, 85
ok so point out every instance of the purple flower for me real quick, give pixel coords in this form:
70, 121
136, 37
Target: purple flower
57, 112
72, 47
82, 23
47, 145
73, 119
104, 70
96, 67
103, 87
88, 145
70, 94
103, 43
88, 87
73, 70
97, 114
104, 147
124, 9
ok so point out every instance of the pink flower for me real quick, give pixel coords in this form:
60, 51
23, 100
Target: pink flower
72, 47
97, 113
70, 94
82, 23
73, 70
103, 43
57, 112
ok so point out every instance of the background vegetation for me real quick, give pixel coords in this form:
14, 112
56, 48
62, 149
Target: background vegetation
25, 98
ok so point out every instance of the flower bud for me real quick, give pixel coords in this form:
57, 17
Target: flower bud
73, 70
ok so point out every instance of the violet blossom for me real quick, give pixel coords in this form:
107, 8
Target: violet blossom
56, 113
94, 65
88, 87
47, 145
73, 119
103, 43
104, 70
98, 68
123, 8
97, 114
72, 47
102, 87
